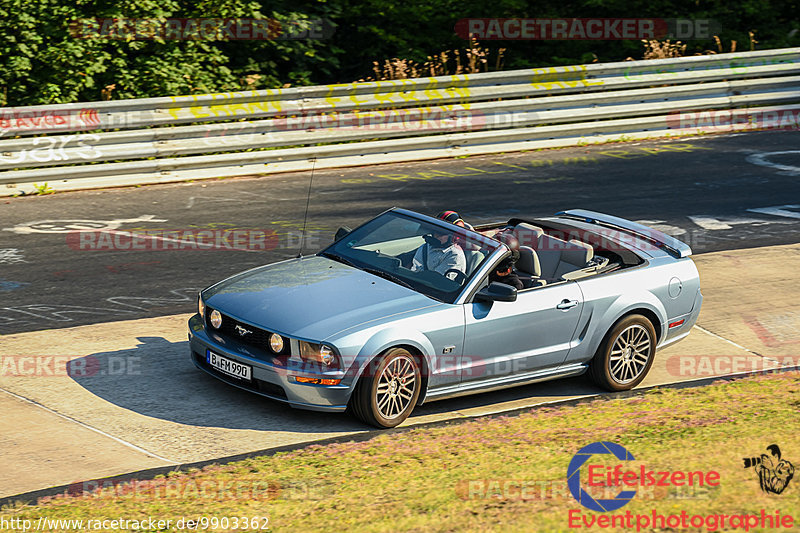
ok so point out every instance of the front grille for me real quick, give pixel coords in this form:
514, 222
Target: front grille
257, 337
270, 389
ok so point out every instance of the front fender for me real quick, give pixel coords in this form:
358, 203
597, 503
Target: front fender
390, 337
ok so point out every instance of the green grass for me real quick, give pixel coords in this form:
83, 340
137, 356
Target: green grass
419, 480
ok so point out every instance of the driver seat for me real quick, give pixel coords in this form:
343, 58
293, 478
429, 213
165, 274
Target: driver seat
474, 258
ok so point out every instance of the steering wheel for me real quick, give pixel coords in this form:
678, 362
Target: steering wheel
458, 276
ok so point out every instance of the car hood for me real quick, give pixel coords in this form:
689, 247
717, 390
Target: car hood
311, 297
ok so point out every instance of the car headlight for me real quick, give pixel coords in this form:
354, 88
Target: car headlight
216, 318
276, 343
318, 353
201, 307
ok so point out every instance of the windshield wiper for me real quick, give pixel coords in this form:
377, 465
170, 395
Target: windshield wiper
339, 258
386, 275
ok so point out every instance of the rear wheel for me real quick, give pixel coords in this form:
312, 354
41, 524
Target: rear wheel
388, 391
626, 354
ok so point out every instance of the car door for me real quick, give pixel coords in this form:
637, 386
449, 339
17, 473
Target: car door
533, 333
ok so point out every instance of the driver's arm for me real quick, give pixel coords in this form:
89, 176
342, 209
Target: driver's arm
416, 262
455, 260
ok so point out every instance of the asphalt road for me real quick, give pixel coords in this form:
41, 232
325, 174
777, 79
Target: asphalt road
714, 192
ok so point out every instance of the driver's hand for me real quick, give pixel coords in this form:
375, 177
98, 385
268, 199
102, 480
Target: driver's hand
452, 275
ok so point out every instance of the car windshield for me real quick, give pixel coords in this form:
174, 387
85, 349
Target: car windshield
433, 260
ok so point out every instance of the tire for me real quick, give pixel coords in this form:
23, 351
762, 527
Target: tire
626, 354
388, 390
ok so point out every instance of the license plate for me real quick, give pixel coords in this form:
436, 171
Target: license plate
228, 366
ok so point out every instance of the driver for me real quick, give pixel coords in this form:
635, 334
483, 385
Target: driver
440, 253
453, 218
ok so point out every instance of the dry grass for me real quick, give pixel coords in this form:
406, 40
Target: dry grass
654, 49
105, 94
473, 59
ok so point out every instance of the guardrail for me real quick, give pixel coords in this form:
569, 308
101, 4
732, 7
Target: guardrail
127, 142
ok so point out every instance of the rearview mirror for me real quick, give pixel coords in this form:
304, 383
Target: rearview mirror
341, 233
497, 292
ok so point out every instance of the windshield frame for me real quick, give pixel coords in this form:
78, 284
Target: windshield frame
491, 247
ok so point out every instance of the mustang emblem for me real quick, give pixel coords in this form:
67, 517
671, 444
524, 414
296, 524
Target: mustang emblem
242, 331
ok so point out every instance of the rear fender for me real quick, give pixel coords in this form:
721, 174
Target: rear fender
594, 328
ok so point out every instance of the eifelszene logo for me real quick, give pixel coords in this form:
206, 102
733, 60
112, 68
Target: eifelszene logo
574, 477
774, 473
601, 476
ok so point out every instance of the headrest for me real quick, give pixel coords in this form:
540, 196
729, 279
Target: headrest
528, 234
577, 253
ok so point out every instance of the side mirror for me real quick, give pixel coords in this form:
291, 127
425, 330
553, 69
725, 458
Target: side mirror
497, 292
341, 233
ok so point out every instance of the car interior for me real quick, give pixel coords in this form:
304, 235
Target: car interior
547, 258
549, 252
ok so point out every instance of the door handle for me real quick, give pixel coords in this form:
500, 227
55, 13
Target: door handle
567, 304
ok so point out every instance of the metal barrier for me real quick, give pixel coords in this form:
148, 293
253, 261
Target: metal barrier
127, 142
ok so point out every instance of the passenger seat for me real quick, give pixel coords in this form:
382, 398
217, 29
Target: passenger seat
527, 234
555, 256
574, 257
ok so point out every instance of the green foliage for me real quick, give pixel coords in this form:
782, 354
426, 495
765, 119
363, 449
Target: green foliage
44, 188
41, 62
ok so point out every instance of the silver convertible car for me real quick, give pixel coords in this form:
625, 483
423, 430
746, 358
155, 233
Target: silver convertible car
366, 326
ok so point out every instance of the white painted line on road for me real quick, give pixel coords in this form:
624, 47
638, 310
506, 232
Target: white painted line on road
704, 330
712, 223
779, 210
71, 225
101, 432
762, 159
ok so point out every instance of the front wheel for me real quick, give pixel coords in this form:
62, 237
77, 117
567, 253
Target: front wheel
626, 354
387, 392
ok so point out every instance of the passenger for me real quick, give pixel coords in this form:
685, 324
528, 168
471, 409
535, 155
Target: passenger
504, 271
441, 252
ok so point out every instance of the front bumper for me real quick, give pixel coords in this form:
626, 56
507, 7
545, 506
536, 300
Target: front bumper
272, 381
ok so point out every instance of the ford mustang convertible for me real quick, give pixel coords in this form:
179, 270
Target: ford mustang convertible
373, 324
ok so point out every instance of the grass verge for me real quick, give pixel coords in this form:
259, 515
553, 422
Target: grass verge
492, 474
